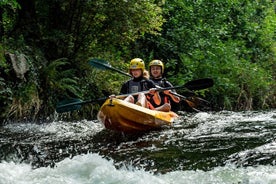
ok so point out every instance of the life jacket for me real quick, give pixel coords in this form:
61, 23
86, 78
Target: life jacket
136, 86
141, 84
164, 98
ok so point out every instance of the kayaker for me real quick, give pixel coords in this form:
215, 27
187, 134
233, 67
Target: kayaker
156, 68
139, 82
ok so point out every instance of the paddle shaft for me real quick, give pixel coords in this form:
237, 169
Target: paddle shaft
76, 105
191, 85
198, 84
119, 71
148, 91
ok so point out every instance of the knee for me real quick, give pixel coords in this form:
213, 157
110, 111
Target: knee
167, 105
141, 95
130, 99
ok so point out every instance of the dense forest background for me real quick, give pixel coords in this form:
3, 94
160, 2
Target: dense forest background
45, 46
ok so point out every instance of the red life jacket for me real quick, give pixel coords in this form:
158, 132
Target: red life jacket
150, 102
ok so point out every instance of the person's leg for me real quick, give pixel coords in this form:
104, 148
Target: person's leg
165, 107
129, 98
142, 100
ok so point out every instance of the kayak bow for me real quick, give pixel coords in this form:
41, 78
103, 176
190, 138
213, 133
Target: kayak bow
123, 116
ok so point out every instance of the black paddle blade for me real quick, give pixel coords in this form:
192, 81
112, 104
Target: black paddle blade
104, 65
199, 84
100, 64
68, 105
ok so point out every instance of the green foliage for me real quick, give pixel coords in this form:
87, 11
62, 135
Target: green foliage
111, 81
8, 16
5, 98
25, 102
11, 3
225, 40
59, 79
239, 84
230, 41
92, 26
5, 91
2, 57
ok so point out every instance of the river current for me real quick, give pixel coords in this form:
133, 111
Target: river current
207, 147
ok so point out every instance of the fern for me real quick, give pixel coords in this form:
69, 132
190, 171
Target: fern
59, 79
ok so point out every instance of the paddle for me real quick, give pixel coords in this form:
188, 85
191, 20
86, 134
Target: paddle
198, 84
102, 64
75, 104
190, 103
192, 85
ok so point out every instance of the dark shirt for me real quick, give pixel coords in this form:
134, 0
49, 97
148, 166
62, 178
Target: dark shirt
136, 85
162, 82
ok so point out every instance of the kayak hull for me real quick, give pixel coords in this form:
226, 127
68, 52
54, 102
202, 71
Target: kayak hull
123, 116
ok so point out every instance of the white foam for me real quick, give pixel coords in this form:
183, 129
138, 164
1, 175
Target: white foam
92, 168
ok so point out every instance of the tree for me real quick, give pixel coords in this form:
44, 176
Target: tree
48, 31
226, 40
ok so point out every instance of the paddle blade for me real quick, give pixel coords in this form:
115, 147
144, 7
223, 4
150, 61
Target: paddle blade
100, 64
68, 105
199, 84
104, 65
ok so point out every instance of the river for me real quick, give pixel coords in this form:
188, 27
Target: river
207, 147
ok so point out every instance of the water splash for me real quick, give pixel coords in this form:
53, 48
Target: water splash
220, 144
93, 168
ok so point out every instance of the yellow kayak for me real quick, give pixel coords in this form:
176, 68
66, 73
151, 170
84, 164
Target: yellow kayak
123, 116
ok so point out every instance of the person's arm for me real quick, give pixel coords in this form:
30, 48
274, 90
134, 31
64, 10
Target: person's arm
176, 99
151, 84
124, 89
155, 94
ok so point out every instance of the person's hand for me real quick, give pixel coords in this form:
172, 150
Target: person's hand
152, 91
167, 92
112, 96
